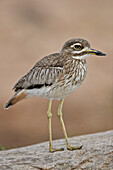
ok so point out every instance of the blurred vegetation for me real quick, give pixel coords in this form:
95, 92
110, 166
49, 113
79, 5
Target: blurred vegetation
2, 148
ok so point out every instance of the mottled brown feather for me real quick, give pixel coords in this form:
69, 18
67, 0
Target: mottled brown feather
45, 71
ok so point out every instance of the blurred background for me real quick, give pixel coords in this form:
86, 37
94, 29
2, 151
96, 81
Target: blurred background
31, 29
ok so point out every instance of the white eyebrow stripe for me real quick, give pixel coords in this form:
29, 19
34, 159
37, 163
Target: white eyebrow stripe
76, 44
77, 52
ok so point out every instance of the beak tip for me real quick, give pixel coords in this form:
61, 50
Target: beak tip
103, 54
100, 53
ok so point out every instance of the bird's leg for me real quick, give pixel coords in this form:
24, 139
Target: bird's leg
64, 129
51, 149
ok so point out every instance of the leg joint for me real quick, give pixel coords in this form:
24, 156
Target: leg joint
59, 114
49, 114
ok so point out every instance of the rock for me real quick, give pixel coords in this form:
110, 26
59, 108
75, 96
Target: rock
96, 153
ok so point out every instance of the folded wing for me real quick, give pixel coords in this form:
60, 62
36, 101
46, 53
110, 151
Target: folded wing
42, 74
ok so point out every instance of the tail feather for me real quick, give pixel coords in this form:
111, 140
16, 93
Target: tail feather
14, 99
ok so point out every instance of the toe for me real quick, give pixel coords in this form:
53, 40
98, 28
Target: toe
74, 148
55, 150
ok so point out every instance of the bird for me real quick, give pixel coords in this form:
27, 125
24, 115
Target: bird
55, 77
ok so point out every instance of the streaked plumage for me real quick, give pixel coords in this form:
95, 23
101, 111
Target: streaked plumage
55, 78
56, 75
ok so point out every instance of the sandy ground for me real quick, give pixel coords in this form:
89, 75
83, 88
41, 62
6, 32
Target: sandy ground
29, 30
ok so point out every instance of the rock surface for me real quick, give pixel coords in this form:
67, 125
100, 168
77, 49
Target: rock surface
96, 153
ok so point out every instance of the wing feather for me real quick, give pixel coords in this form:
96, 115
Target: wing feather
40, 75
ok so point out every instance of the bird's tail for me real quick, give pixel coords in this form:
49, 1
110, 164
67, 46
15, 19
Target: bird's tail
14, 99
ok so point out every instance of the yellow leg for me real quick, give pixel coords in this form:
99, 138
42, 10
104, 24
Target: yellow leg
64, 129
51, 149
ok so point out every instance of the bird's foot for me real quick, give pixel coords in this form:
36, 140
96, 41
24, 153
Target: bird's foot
55, 150
71, 148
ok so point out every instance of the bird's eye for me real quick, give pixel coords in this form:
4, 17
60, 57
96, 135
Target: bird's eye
77, 47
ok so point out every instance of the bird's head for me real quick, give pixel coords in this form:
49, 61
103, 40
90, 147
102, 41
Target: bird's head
79, 49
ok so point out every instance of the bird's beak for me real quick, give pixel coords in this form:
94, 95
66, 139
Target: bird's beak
95, 52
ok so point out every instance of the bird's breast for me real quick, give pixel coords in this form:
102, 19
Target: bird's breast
70, 80
75, 72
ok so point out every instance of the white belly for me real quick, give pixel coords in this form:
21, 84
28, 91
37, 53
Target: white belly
55, 93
